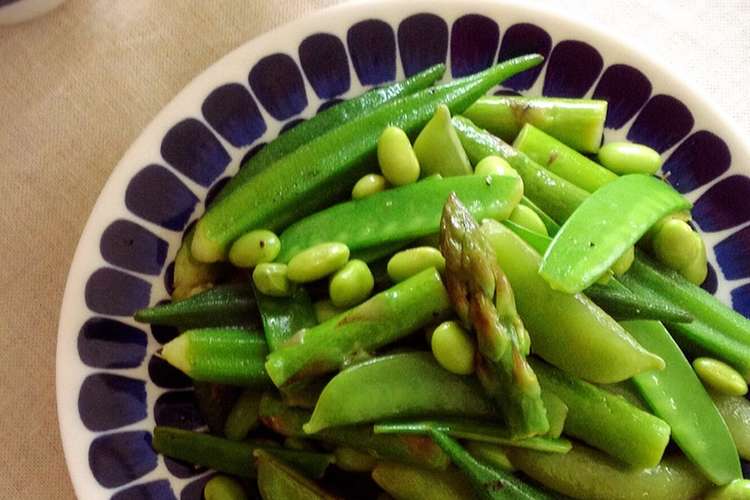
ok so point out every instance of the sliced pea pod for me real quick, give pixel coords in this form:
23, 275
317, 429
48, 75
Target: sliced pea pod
735, 410
407, 482
284, 316
279, 481
438, 148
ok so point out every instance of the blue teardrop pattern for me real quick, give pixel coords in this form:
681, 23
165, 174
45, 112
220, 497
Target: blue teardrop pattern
520, 39
626, 89
214, 191
155, 194
325, 64
328, 104
700, 159
290, 125
169, 278
741, 300
277, 83
192, 149
711, 283
663, 122
119, 458
132, 247
155, 490
115, 293
732, 255
724, 205
194, 490
474, 42
164, 375
178, 409
164, 333
108, 343
234, 114
107, 401
572, 69
181, 469
372, 48
422, 42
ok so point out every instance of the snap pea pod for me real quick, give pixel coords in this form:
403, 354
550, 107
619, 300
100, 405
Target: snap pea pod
279, 481
223, 355
231, 457
405, 213
569, 331
601, 419
561, 159
553, 194
284, 316
384, 318
579, 123
606, 224
407, 482
676, 395
557, 412
587, 473
328, 166
416, 450
431, 391
438, 148
702, 340
735, 410
223, 305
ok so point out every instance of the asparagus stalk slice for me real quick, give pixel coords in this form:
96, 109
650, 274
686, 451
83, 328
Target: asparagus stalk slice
482, 297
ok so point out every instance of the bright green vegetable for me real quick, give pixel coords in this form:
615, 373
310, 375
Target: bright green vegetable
676, 244
553, 194
720, 377
557, 413
552, 226
284, 316
622, 304
230, 457
492, 454
526, 217
244, 415
438, 148
223, 488
602, 419
254, 248
325, 310
579, 123
317, 262
272, 279
396, 157
191, 275
607, 223
384, 318
494, 165
407, 263
569, 331
352, 460
623, 262
587, 473
561, 159
675, 394
407, 482
369, 185
739, 489
224, 355
483, 299
279, 481
701, 339
328, 166
431, 391
625, 158
735, 410
224, 305
402, 214
351, 284
697, 270
453, 348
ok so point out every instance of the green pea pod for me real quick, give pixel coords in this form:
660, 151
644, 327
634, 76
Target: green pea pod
557, 413
384, 318
735, 410
552, 226
284, 316
569, 331
405, 213
279, 481
587, 473
610, 221
622, 304
676, 395
602, 419
407, 482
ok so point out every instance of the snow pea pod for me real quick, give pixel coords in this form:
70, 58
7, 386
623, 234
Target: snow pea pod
676, 395
284, 316
279, 481
735, 410
406, 482
400, 214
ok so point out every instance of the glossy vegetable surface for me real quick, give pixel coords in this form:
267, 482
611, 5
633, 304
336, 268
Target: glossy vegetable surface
284, 316
438, 148
279, 481
407, 482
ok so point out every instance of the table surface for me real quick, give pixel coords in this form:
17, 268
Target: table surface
71, 102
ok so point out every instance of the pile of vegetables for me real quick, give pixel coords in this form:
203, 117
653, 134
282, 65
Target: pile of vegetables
391, 301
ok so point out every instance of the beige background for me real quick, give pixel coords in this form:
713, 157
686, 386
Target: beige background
78, 85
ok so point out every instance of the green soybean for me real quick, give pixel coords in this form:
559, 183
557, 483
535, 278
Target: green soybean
696, 271
254, 248
396, 157
628, 158
494, 165
272, 279
223, 488
317, 262
369, 185
407, 263
720, 377
325, 310
739, 489
353, 460
526, 217
453, 348
439, 149
351, 285
676, 245
623, 263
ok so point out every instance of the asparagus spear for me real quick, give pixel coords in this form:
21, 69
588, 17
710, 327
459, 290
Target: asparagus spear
474, 281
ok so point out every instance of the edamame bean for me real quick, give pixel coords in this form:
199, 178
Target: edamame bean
223, 488
696, 271
272, 279
720, 377
396, 157
629, 158
351, 285
254, 248
325, 310
494, 165
352, 460
369, 185
453, 348
622, 264
317, 262
676, 244
739, 489
526, 217
407, 263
